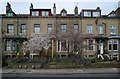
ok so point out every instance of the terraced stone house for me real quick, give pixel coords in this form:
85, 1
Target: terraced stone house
17, 28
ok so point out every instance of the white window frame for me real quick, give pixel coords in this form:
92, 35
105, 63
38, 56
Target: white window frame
63, 28
87, 44
115, 43
113, 27
100, 29
63, 14
89, 29
110, 42
8, 45
23, 28
13, 45
36, 25
45, 13
10, 28
75, 28
10, 14
49, 28
60, 50
87, 13
96, 14
35, 13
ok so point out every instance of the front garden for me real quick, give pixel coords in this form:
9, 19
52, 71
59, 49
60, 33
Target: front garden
58, 63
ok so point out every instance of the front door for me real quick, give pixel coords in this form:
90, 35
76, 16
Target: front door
22, 49
101, 48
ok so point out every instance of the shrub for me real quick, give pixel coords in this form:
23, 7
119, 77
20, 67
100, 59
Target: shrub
96, 60
20, 55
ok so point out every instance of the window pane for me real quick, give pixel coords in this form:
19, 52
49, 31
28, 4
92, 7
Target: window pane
63, 45
8, 45
63, 28
100, 29
33, 13
47, 13
37, 13
112, 30
95, 14
75, 28
13, 45
10, 28
89, 29
36, 28
115, 47
110, 45
10, 14
88, 14
43, 13
90, 44
49, 28
23, 28
115, 44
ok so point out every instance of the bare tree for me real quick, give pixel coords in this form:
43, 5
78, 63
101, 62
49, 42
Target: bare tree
38, 42
76, 44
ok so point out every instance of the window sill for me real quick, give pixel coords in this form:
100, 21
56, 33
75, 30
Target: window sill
8, 51
113, 34
36, 33
22, 33
62, 51
113, 51
90, 33
10, 34
100, 34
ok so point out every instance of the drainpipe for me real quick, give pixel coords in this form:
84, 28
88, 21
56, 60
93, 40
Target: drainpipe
105, 27
1, 52
17, 34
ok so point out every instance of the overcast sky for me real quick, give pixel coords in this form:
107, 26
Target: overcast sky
22, 6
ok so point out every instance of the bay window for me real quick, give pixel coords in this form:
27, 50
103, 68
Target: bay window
115, 45
91, 46
13, 45
62, 45
8, 45
110, 45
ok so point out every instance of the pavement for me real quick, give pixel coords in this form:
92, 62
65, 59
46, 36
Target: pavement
63, 71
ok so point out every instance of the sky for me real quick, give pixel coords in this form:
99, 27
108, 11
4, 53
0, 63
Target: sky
22, 6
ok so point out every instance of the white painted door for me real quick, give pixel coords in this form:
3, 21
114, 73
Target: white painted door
101, 48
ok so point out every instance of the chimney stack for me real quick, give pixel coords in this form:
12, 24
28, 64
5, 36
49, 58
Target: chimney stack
8, 7
31, 6
76, 10
54, 9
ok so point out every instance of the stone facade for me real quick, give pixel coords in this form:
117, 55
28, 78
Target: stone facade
43, 17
